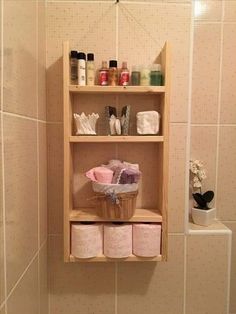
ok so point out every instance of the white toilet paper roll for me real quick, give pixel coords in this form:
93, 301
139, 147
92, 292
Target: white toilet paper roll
86, 240
146, 239
117, 240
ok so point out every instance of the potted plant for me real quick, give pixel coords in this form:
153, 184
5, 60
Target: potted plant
202, 213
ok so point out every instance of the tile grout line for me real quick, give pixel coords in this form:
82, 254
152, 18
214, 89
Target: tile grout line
45, 64
185, 274
3, 170
213, 124
117, 30
229, 271
219, 102
188, 140
16, 115
37, 138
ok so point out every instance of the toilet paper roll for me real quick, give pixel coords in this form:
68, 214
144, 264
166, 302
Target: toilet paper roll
146, 239
86, 240
117, 240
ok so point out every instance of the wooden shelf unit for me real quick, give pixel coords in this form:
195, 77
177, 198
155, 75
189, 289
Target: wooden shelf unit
82, 213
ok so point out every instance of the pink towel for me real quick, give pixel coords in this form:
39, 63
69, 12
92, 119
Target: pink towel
100, 174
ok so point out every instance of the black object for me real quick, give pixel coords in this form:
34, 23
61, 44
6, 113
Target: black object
73, 54
81, 55
90, 57
113, 64
203, 199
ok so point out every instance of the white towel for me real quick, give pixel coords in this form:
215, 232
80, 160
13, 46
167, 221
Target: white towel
148, 122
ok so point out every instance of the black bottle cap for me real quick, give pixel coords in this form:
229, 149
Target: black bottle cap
113, 64
81, 55
90, 57
73, 54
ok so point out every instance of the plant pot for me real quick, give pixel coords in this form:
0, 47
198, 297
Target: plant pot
203, 217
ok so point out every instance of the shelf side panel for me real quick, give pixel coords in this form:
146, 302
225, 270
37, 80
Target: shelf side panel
67, 157
165, 60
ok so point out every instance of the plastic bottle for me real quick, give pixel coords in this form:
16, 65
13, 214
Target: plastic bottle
155, 75
124, 75
145, 76
103, 74
90, 69
81, 69
135, 76
73, 66
113, 73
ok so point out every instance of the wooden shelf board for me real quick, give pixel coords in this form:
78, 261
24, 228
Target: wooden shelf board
131, 258
116, 139
90, 214
117, 89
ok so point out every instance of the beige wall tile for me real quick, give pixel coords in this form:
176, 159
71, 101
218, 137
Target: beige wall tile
2, 311
20, 154
55, 178
90, 28
207, 268
41, 60
43, 288
226, 202
208, 10
20, 57
153, 287
202, 137
206, 65
230, 11
228, 98
89, 287
2, 277
42, 144
24, 298
142, 34
177, 155
232, 226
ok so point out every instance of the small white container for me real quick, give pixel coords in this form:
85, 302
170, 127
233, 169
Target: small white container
203, 217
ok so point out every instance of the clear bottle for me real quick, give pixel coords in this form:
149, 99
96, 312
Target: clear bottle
103, 74
113, 73
90, 69
156, 75
145, 76
81, 69
124, 75
73, 67
135, 76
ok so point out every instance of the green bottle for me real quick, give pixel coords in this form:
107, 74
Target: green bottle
156, 78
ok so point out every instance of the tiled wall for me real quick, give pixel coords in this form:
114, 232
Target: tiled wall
23, 180
213, 130
136, 31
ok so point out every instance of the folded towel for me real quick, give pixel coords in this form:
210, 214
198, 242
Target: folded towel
100, 174
129, 176
148, 122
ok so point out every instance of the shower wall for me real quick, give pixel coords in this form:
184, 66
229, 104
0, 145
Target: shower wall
196, 277
23, 179
213, 128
